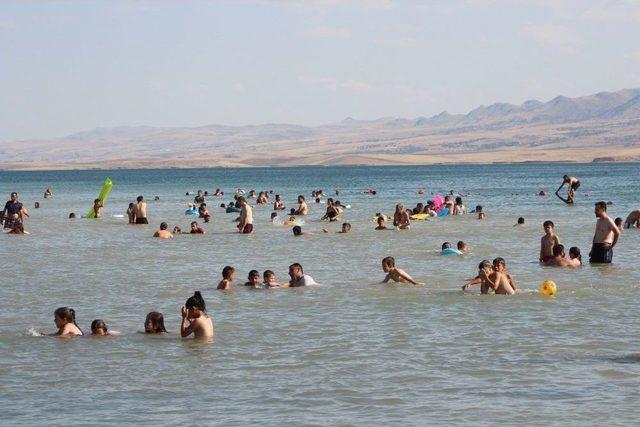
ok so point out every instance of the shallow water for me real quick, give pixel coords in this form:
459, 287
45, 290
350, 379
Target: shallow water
349, 352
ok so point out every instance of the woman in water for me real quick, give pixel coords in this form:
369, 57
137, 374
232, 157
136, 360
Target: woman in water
65, 320
195, 319
98, 327
154, 323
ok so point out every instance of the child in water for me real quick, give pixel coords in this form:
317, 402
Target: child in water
394, 273
98, 327
227, 278
270, 280
480, 212
575, 256
194, 312
381, 225
65, 320
154, 323
548, 241
254, 279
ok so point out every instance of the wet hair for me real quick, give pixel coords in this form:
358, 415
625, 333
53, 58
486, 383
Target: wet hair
618, 221
194, 223
521, 220
207, 218
446, 245
140, 198
227, 270
461, 244
380, 219
241, 199
558, 249
574, 252
267, 274
565, 177
274, 215
14, 194
196, 301
479, 208
602, 205
346, 225
499, 260
318, 200
36, 205
177, 229
222, 205
389, 260
72, 215
297, 230
157, 322
67, 314
253, 273
458, 200
301, 198
164, 226
292, 211
484, 264
548, 224
131, 205
296, 265
98, 324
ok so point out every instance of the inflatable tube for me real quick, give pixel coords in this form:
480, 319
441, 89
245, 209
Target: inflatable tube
384, 217
104, 193
450, 251
444, 212
191, 212
420, 216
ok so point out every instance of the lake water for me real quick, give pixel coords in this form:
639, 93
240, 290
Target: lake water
349, 352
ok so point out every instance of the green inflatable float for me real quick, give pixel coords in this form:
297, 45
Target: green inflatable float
104, 193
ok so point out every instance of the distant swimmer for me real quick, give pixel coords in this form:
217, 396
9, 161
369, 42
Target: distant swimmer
575, 256
65, 320
605, 237
573, 184
97, 208
462, 246
396, 274
303, 209
269, 280
246, 217
298, 278
141, 211
154, 323
633, 219
47, 193
558, 259
195, 319
163, 233
401, 218
278, 204
253, 279
380, 221
500, 281
196, 229
480, 212
519, 223
99, 328
227, 278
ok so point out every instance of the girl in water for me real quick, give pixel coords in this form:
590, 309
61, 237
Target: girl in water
154, 323
65, 320
194, 313
98, 327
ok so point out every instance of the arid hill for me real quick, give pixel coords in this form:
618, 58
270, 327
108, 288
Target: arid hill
600, 127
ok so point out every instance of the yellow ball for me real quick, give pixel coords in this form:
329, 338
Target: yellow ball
548, 288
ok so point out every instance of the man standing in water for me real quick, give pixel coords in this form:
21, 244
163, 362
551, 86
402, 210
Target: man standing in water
605, 237
141, 211
246, 217
573, 184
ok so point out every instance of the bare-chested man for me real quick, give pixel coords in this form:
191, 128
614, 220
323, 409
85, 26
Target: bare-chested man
573, 184
559, 259
163, 233
401, 218
303, 209
633, 219
605, 237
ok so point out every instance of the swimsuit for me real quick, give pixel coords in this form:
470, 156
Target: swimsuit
142, 221
601, 253
248, 228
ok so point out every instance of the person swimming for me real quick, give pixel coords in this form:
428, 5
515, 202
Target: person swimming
253, 280
396, 274
195, 319
65, 320
98, 327
154, 323
227, 278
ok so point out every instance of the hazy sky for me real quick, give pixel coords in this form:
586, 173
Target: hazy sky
76, 65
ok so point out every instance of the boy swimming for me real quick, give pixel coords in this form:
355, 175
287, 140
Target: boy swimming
227, 278
396, 274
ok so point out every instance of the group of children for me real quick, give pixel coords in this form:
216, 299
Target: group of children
268, 281
195, 320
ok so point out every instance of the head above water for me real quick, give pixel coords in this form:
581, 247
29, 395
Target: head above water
521, 220
164, 226
558, 250
297, 230
154, 323
98, 327
195, 301
446, 245
227, 272
389, 261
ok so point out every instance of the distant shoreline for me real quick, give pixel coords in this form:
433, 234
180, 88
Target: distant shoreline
47, 168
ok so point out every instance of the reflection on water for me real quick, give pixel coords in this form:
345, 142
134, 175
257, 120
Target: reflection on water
349, 352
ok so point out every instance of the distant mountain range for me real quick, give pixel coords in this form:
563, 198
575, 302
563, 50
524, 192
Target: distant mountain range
600, 127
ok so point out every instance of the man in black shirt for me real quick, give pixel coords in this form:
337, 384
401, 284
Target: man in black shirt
13, 211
